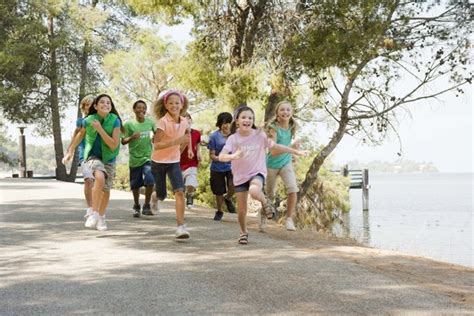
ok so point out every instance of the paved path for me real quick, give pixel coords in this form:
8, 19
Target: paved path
51, 265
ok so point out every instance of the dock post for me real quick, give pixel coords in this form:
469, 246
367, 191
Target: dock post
365, 190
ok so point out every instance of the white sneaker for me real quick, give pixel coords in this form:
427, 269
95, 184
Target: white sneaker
92, 220
101, 224
182, 232
88, 212
290, 225
263, 222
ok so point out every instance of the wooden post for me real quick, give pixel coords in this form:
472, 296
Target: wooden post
365, 190
345, 171
22, 160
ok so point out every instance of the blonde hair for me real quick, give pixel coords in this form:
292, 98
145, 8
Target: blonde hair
159, 109
86, 103
274, 123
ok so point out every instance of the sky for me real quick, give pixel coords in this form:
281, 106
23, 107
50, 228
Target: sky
438, 131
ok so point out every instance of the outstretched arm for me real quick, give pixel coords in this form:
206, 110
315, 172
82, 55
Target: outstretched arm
74, 143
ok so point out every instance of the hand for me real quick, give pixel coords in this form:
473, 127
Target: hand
238, 154
135, 135
190, 154
67, 158
303, 153
96, 125
183, 140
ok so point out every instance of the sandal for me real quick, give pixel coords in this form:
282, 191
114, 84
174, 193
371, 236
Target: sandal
269, 209
244, 238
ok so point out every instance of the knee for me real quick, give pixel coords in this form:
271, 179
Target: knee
99, 177
254, 190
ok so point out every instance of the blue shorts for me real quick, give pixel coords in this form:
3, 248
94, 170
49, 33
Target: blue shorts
173, 170
141, 176
246, 185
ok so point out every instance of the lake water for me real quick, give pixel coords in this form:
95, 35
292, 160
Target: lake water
429, 215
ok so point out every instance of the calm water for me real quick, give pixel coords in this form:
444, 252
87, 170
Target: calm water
430, 215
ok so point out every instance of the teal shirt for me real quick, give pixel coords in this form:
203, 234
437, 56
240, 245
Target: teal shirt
283, 137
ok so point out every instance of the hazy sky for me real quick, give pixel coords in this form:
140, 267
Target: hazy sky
439, 131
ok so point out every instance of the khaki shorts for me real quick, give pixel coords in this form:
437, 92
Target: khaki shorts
94, 164
288, 176
190, 177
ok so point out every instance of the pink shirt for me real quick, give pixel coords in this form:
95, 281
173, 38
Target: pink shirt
171, 131
253, 160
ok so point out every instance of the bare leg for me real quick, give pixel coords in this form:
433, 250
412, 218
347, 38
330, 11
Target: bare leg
256, 192
136, 196
179, 197
97, 189
104, 201
88, 183
242, 210
219, 202
291, 204
148, 192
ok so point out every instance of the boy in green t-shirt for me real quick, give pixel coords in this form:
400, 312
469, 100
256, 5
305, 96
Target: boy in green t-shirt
137, 136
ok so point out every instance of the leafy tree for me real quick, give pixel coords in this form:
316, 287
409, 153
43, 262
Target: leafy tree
358, 54
50, 50
142, 70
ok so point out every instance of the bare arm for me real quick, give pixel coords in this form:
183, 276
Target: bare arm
74, 143
127, 140
159, 144
225, 157
278, 149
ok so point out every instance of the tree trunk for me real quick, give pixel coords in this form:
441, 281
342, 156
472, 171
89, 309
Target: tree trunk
318, 161
61, 173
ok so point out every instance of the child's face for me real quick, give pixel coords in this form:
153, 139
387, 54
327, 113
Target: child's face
140, 110
284, 112
173, 105
225, 128
103, 106
245, 121
85, 110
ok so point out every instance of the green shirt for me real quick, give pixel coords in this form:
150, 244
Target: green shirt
139, 149
283, 137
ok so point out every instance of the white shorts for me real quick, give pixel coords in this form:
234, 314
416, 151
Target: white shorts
190, 177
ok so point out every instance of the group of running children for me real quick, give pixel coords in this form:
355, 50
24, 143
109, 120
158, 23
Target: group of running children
243, 158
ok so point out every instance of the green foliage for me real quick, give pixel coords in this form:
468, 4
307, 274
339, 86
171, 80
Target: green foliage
142, 70
122, 177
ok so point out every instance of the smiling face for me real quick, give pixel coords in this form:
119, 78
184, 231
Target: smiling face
140, 111
173, 105
245, 121
103, 106
284, 112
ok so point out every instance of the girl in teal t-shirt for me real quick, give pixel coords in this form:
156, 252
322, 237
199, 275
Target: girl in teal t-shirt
282, 131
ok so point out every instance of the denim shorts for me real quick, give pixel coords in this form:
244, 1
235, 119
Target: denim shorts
141, 176
173, 170
246, 185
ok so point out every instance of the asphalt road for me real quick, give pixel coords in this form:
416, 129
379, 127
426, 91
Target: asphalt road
50, 264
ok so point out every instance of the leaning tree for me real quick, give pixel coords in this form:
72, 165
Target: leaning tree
366, 59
